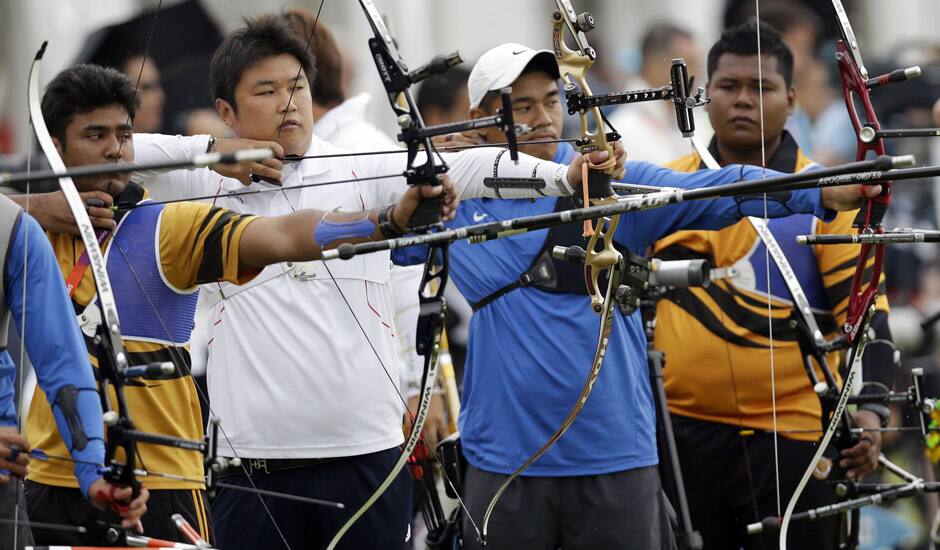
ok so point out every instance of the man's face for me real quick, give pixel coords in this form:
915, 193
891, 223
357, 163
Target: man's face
266, 109
149, 116
99, 136
735, 92
536, 102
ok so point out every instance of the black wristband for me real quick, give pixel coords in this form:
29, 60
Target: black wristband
386, 227
883, 412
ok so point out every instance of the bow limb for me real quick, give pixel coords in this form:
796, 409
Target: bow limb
605, 329
854, 79
702, 151
112, 355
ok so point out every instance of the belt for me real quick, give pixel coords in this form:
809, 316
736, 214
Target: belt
270, 465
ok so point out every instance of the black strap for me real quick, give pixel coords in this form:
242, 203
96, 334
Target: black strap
539, 273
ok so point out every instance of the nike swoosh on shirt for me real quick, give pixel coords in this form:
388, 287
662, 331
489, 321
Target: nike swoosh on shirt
478, 217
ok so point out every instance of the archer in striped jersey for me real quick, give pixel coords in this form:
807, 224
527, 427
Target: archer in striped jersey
156, 256
721, 397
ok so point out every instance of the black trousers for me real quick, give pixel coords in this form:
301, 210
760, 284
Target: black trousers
619, 511
241, 519
728, 488
66, 506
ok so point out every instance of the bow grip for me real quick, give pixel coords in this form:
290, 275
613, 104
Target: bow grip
598, 182
427, 214
430, 322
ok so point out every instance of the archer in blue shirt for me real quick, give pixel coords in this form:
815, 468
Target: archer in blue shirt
531, 346
44, 318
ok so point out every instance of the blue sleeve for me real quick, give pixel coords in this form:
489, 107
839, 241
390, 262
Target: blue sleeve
53, 340
648, 226
410, 255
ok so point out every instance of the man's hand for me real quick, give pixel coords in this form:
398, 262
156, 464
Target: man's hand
457, 139
270, 168
598, 158
435, 427
9, 439
408, 202
847, 197
862, 459
104, 494
52, 211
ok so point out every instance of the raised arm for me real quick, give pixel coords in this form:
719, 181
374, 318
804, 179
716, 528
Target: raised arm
470, 170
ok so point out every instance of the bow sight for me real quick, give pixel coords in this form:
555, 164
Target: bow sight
398, 80
678, 92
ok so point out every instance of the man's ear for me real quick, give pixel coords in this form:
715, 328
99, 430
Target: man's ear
226, 111
791, 100
59, 146
476, 112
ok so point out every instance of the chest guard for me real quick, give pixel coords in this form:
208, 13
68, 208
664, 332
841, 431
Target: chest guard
150, 309
547, 272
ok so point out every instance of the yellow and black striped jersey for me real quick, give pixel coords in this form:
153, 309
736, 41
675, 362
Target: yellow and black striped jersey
717, 339
189, 244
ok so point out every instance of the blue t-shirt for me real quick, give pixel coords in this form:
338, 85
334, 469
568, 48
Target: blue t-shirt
530, 351
53, 341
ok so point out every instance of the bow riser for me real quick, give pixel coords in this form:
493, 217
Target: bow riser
870, 216
574, 64
599, 263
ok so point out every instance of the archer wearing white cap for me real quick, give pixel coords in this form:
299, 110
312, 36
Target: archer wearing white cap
533, 337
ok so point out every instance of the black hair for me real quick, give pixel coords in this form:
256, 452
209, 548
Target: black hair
742, 40
82, 89
442, 90
258, 39
659, 37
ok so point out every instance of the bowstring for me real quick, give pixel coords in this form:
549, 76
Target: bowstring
143, 62
21, 366
770, 324
710, 162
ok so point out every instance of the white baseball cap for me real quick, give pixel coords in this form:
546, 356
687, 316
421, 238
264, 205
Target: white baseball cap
501, 66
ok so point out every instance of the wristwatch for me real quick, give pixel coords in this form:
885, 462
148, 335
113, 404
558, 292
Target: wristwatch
212, 145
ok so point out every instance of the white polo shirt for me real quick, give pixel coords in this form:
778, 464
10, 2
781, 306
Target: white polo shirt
294, 372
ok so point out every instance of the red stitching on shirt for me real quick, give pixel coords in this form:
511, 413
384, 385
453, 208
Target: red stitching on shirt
375, 311
362, 202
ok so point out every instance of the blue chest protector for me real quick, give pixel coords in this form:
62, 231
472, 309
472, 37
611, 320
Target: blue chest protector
150, 308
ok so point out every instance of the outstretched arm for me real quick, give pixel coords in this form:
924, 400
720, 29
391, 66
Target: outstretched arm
304, 235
